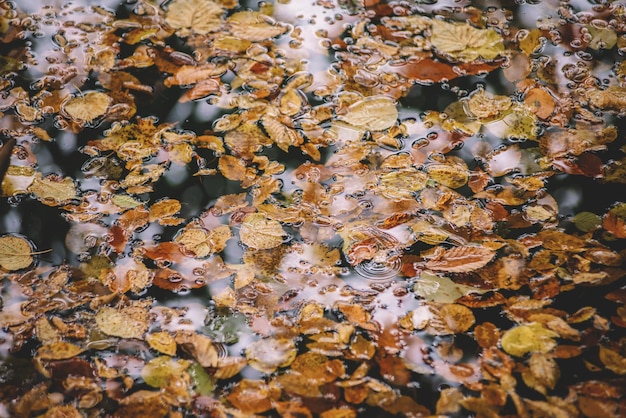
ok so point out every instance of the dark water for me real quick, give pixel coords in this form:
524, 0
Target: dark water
328, 36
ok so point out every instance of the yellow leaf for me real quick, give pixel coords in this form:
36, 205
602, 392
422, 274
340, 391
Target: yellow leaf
160, 371
58, 351
126, 322
194, 16
163, 208
52, 190
16, 253
195, 240
528, 338
254, 26
261, 233
88, 107
375, 113
162, 342
269, 354
464, 42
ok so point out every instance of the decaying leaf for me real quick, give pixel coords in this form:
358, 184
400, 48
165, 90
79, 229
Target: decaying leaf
461, 259
160, 371
375, 113
260, 233
194, 16
88, 107
53, 190
16, 253
269, 354
125, 322
530, 338
464, 42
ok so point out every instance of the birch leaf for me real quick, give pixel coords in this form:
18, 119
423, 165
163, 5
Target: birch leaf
194, 16
261, 233
254, 26
88, 107
127, 322
461, 259
375, 113
52, 190
464, 42
528, 338
15, 253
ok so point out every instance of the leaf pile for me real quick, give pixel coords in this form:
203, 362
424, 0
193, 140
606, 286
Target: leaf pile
312, 231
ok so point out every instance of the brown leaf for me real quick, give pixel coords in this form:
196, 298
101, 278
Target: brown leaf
461, 259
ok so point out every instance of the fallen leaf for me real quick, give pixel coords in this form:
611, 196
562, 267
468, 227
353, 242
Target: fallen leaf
260, 233
530, 338
464, 42
16, 253
87, 107
375, 113
269, 354
125, 322
461, 259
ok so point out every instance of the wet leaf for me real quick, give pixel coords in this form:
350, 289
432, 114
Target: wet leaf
260, 233
16, 253
125, 322
375, 113
160, 371
58, 351
530, 338
194, 16
269, 354
53, 190
464, 42
441, 289
461, 259
162, 342
254, 26
88, 107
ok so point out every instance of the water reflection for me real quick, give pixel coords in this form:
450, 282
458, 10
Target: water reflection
363, 214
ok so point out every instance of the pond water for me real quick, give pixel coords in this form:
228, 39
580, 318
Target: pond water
312, 208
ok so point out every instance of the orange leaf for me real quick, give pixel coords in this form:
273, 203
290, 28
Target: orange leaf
461, 259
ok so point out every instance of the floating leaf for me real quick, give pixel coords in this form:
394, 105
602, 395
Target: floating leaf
232, 168
194, 16
254, 26
160, 371
375, 113
53, 190
461, 259
441, 289
261, 233
58, 351
16, 253
269, 354
528, 338
88, 107
464, 42
162, 342
125, 322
